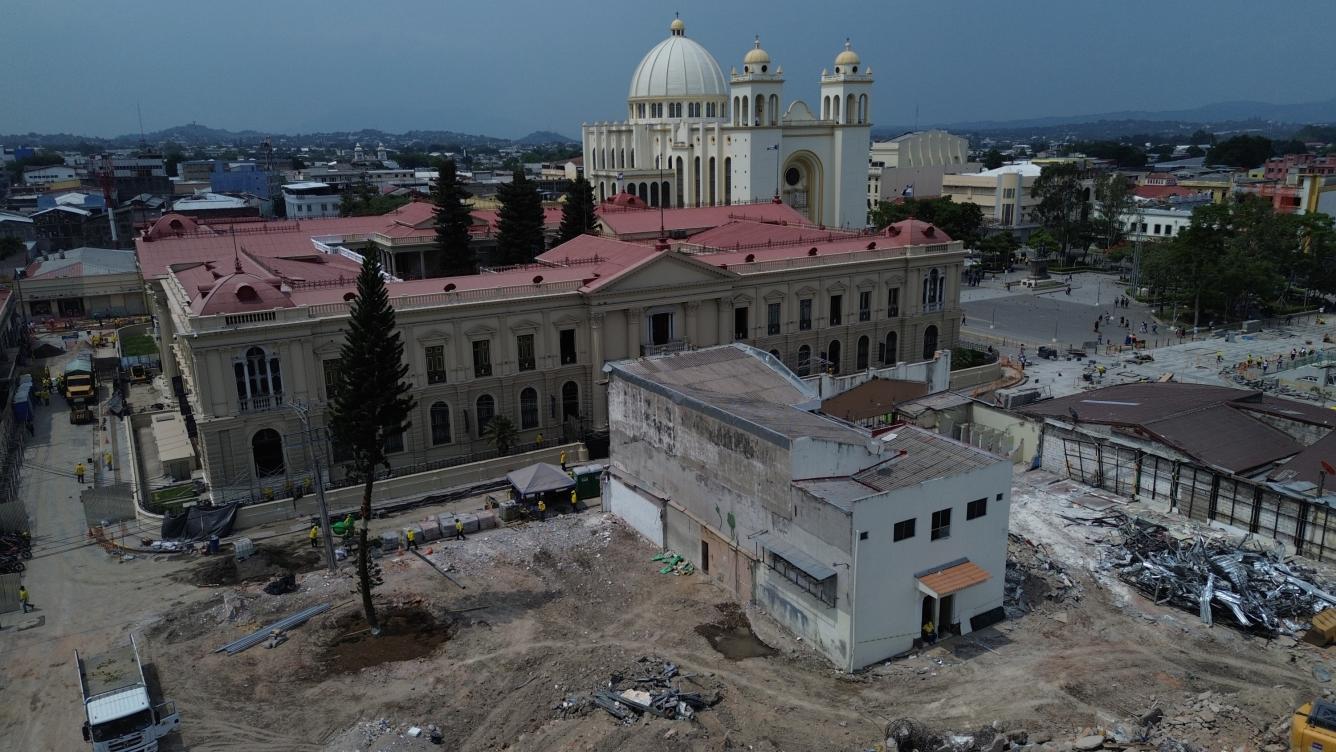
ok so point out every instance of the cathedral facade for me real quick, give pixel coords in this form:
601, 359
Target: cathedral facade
693, 137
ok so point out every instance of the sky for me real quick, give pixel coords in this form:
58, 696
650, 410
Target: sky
508, 67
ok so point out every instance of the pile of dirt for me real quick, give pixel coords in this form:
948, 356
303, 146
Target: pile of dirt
406, 633
267, 563
732, 634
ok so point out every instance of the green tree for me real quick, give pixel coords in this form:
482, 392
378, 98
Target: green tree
372, 402
453, 241
1043, 243
1113, 200
963, 221
1062, 208
1124, 155
577, 212
501, 434
993, 159
1196, 151
1244, 151
519, 232
999, 250
1200, 136
1288, 146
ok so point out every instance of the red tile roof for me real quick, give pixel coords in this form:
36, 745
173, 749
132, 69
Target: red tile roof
954, 579
1162, 191
622, 222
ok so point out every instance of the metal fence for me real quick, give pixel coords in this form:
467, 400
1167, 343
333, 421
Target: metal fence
9, 592
104, 505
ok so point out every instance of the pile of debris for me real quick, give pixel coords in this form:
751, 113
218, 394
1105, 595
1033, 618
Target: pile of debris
655, 691
673, 563
1034, 576
909, 735
1242, 584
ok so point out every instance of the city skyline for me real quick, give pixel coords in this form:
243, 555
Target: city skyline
299, 71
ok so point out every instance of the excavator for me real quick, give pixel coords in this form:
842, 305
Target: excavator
1314, 727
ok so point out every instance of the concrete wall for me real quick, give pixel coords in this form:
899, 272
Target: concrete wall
1023, 431
936, 373
968, 377
888, 616
1304, 433
408, 486
644, 514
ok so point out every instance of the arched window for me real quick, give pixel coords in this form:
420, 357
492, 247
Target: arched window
825, 108
804, 360
485, 410
621, 158
736, 110
930, 286
774, 109
570, 400
833, 355
267, 451
746, 111
695, 179
663, 195
654, 194
728, 180
941, 289
891, 355
528, 408
713, 181
862, 353
835, 108
863, 115
777, 356
257, 375
644, 192
602, 191
849, 109
440, 424
760, 109
929, 342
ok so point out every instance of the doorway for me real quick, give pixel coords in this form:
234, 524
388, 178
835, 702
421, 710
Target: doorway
929, 615
661, 328
704, 556
946, 616
267, 453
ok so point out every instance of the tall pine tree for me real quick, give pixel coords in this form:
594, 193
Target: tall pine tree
453, 246
577, 213
371, 400
519, 232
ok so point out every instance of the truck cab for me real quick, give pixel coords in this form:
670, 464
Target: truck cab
119, 714
80, 389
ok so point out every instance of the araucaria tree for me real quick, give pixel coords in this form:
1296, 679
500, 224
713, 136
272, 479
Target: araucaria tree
452, 223
519, 231
1113, 200
577, 213
371, 400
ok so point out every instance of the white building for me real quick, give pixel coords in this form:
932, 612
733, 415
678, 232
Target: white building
1156, 222
694, 138
913, 164
1002, 193
48, 174
310, 200
851, 540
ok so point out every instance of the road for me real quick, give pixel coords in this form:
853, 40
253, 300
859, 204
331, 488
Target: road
88, 600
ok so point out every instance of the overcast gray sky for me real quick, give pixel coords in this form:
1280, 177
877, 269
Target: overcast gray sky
507, 67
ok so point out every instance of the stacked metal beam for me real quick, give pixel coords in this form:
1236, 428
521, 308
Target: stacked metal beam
282, 625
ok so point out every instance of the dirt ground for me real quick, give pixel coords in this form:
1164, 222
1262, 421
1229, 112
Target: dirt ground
548, 610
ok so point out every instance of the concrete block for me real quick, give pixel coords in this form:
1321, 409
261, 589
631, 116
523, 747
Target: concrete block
417, 534
391, 540
487, 519
431, 529
470, 521
448, 522
32, 623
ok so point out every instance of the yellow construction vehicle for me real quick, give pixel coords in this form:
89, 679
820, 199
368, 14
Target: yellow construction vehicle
1314, 727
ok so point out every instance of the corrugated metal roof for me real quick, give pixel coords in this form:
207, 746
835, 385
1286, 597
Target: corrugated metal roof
1307, 465
1132, 404
926, 456
1224, 437
840, 492
872, 398
793, 555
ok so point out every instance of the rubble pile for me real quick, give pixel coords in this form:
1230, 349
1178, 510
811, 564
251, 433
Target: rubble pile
1034, 577
653, 687
1244, 585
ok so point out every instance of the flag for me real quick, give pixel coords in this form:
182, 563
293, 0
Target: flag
908, 192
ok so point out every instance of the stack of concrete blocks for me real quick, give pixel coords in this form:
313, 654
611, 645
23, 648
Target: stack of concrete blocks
429, 529
473, 522
391, 540
417, 534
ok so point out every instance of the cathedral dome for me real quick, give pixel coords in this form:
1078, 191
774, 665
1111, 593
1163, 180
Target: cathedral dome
848, 56
678, 67
756, 55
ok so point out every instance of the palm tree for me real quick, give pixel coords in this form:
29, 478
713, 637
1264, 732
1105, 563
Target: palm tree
500, 432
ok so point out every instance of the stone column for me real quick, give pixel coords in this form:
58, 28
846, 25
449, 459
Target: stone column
692, 333
633, 319
600, 395
725, 319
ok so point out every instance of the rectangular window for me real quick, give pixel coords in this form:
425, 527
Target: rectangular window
976, 509
740, 328
394, 443
482, 358
822, 590
331, 368
865, 305
805, 314
772, 319
524, 356
941, 524
836, 310
1157, 230
567, 341
436, 364
892, 302
904, 529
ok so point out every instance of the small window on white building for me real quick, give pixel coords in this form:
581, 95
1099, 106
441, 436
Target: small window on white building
941, 524
904, 530
976, 509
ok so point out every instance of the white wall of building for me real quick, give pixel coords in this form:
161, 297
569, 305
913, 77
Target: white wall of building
642, 513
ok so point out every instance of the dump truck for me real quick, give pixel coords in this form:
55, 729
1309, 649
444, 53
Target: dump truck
119, 713
80, 389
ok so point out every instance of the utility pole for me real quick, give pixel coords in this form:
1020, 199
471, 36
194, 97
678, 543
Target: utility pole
304, 415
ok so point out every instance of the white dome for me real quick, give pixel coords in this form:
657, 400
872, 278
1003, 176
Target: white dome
678, 67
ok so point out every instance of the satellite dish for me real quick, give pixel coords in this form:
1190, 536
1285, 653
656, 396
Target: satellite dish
1328, 469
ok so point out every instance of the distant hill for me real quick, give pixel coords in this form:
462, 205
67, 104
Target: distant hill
539, 138
1306, 112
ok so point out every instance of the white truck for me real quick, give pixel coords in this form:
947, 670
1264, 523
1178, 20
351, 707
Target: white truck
119, 714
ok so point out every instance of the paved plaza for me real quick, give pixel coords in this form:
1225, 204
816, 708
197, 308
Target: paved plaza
1011, 320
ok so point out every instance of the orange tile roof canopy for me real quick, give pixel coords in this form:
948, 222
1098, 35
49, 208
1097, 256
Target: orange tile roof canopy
952, 579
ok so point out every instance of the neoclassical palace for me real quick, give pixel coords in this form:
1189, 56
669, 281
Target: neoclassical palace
695, 138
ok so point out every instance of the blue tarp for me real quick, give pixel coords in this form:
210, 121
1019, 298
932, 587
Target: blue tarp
22, 410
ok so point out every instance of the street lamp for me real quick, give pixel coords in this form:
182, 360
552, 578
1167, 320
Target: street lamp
304, 415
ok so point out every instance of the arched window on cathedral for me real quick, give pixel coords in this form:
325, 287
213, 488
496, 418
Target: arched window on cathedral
654, 194
677, 189
863, 115
850, 105
621, 158
774, 109
760, 109
695, 180
746, 109
825, 108
835, 108
713, 181
728, 180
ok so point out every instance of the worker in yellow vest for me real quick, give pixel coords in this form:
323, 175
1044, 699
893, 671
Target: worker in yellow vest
542, 510
412, 542
563, 459
459, 529
314, 535
79, 471
575, 501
